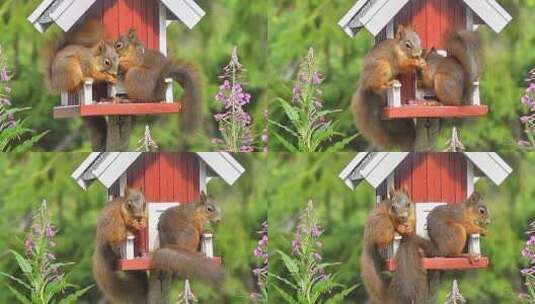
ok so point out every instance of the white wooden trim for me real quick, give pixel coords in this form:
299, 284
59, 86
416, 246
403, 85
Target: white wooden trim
470, 181
384, 163
491, 13
162, 12
127, 249
422, 212
347, 172
390, 30
123, 184
39, 10
169, 90
390, 182
394, 95
113, 165
469, 18
185, 10
476, 98
223, 164
64, 98
155, 210
207, 244
474, 244
72, 14
112, 90
395, 245
202, 177
495, 168
86, 96
378, 200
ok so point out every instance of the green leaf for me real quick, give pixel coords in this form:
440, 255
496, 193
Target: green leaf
22, 298
29, 143
73, 297
290, 263
287, 129
286, 143
339, 297
24, 265
284, 295
290, 111
340, 145
284, 280
21, 282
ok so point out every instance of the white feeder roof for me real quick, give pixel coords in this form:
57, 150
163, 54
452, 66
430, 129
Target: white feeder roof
65, 13
375, 167
374, 15
107, 167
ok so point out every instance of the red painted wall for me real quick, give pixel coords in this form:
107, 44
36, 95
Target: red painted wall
121, 15
166, 177
433, 20
432, 177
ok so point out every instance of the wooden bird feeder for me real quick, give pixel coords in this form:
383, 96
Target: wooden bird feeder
149, 17
432, 179
433, 20
168, 179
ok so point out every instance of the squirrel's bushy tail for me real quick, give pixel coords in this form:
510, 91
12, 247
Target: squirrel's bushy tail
47, 54
187, 264
188, 76
409, 282
132, 288
383, 134
375, 284
465, 46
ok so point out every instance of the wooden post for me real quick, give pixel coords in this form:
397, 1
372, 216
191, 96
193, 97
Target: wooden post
119, 130
159, 288
427, 130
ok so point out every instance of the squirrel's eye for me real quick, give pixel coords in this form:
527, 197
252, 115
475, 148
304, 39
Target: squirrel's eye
482, 210
408, 45
210, 208
107, 62
119, 45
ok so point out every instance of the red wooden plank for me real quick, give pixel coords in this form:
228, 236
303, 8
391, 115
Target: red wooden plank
403, 178
446, 263
180, 178
137, 20
106, 109
149, 23
433, 111
125, 16
167, 164
152, 177
136, 173
458, 158
446, 178
435, 14
419, 19
419, 178
110, 18
434, 177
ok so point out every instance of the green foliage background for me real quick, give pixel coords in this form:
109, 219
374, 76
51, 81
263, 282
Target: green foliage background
27, 179
227, 23
296, 178
296, 25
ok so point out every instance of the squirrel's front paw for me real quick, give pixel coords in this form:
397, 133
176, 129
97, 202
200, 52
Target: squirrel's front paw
111, 79
473, 257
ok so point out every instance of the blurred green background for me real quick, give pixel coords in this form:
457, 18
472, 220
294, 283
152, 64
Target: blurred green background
30, 178
296, 25
296, 178
227, 23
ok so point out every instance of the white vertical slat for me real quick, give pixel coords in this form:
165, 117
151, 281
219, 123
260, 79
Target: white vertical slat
64, 98
122, 184
154, 211
207, 244
474, 244
162, 13
127, 251
470, 181
169, 90
469, 18
87, 92
202, 177
476, 98
394, 95
390, 30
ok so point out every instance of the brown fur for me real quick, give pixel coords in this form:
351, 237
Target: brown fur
146, 70
66, 61
452, 78
180, 229
390, 216
385, 62
120, 217
450, 225
409, 282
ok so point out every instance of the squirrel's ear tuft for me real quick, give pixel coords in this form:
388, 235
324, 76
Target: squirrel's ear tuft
400, 32
475, 198
100, 48
132, 34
